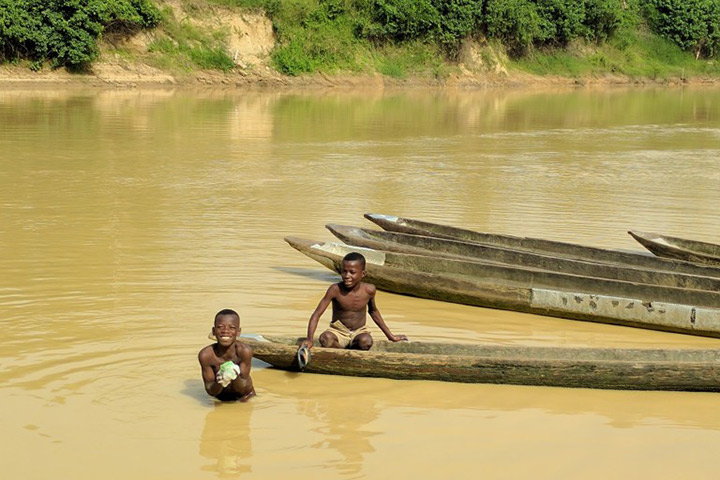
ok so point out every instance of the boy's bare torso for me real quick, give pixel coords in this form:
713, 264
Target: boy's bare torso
235, 355
351, 306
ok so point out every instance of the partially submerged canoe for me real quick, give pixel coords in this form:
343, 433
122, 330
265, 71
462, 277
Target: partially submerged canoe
539, 245
476, 252
530, 290
679, 248
608, 368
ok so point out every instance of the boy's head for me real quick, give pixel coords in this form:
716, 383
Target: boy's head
226, 327
355, 257
352, 270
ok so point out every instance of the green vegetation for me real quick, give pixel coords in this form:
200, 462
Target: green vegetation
398, 38
565, 37
694, 25
65, 32
182, 46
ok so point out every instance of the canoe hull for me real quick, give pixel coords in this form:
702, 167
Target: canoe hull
627, 369
678, 248
537, 245
474, 252
643, 311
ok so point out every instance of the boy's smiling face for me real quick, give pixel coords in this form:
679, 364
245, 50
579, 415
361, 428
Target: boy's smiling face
226, 329
351, 273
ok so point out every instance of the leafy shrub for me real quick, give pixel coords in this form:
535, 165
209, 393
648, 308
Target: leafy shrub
560, 20
694, 25
401, 20
602, 19
315, 36
290, 59
65, 32
459, 19
514, 22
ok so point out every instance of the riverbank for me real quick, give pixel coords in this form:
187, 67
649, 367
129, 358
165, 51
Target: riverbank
126, 75
249, 40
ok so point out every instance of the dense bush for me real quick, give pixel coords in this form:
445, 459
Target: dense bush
514, 22
446, 22
459, 19
400, 20
561, 21
692, 24
523, 24
602, 18
324, 35
65, 32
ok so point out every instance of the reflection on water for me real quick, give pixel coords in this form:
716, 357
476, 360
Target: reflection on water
226, 440
343, 427
130, 217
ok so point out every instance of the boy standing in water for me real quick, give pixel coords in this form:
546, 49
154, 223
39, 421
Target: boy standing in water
350, 299
226, 364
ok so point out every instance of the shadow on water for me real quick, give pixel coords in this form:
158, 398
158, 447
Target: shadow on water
194, 389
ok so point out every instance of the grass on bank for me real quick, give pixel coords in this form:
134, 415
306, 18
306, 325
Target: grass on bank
181, 46
635, 54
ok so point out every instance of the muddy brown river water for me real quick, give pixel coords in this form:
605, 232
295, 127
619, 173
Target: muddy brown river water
128, 218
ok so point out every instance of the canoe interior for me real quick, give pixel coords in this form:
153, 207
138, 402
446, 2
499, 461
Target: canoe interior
679, 248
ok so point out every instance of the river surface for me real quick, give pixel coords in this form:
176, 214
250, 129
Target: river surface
128, 218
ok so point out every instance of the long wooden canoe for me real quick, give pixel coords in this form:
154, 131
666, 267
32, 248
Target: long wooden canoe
608, 368
538, 245
476, 252
530, 290
679, 248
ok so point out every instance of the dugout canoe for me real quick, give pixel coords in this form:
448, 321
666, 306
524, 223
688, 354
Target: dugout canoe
539, 245
476, 252
606, 368
528, 290
679, 248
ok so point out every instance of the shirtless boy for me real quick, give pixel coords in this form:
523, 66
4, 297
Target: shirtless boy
233, 381
350, 299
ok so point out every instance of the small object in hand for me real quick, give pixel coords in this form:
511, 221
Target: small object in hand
303, 356
227, 372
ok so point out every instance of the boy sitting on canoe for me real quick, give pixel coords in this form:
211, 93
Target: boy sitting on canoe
226, 364
350, 299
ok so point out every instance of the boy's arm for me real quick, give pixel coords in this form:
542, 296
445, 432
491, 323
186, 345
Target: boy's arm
315, 317
245, 355
212, 387
377, 317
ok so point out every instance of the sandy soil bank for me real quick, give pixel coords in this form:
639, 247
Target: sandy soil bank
109, 74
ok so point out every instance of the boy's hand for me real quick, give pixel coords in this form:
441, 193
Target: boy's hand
308, 342
398, 338
227, 372
220, 378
